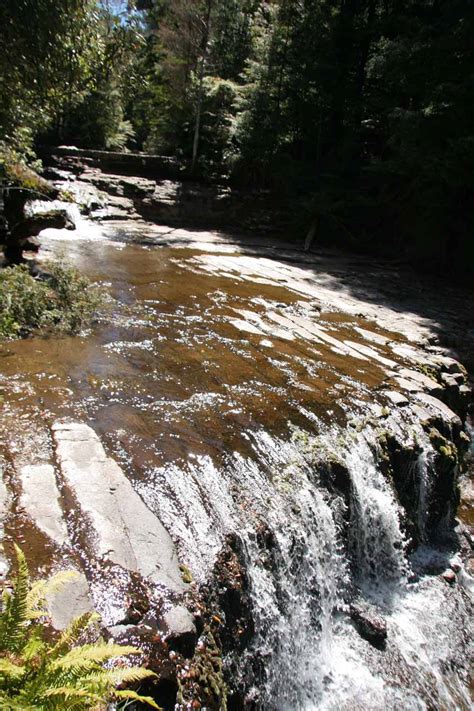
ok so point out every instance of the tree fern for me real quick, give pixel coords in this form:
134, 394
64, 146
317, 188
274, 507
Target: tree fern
41, 675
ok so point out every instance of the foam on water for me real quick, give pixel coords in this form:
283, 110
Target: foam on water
309, 656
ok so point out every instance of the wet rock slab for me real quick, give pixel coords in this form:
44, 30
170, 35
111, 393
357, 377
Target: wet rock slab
40, 499
369, 623
70, 601
126, 531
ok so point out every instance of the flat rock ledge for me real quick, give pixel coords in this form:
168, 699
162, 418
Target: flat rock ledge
125, 531
41, 500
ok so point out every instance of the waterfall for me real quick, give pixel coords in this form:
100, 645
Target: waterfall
375, 522
322, 550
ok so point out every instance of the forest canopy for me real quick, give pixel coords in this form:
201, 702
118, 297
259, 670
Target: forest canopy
358, 113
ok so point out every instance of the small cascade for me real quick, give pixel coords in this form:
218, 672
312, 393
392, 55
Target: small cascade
378, 541
296, 595
84, 228
309, 552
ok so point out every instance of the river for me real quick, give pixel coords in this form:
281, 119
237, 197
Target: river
249, 396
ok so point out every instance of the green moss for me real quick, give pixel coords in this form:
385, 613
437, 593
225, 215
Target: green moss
15, 173
428, 370
67, 196
203, 678
443, 446
186, 574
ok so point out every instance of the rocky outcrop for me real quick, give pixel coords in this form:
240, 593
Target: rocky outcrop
23, 224
161, 193
110, 161
369, 623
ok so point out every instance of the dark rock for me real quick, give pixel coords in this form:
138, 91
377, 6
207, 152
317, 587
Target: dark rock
336, 477
233, 594
57, 218
449, 576
180, 630
133, 164
370, 624
32, 244
16, 225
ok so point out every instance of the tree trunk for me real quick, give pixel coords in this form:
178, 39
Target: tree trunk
311, 235
202, 70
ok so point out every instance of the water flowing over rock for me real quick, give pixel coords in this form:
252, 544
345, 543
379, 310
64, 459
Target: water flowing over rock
253, 465
127, 533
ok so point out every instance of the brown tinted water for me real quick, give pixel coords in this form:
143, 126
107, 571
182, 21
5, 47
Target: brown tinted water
195, 354
166, 373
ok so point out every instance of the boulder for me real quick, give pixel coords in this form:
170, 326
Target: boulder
369, 623
68, 602
449, 576
180, 630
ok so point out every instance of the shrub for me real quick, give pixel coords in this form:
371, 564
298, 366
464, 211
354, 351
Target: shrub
14, 172
62, 301
62, 673
76, 302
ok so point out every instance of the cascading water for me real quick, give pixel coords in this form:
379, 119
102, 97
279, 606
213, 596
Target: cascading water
315, 559
375, 522
332, 534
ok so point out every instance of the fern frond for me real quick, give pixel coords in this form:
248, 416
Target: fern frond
34, 646
89, 654
14, 616
8, 703
13, 671
121, 675
37, 674
72, 633
70, 692
133, 696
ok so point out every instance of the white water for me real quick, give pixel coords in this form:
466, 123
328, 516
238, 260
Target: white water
84, 229
309, 655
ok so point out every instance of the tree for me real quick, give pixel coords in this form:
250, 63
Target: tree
44, 71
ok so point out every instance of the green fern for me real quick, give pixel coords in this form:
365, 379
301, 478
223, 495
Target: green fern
41, 675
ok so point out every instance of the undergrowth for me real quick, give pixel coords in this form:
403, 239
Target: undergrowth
61, 300
15, 172
76, 670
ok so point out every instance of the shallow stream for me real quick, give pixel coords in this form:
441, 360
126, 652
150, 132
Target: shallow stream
220, 381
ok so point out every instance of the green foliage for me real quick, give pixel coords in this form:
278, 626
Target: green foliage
62, 301
358, 115
45, 71
15, 172
70, 671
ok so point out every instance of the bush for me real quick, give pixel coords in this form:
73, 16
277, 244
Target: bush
15, 172
64, 673
62, 301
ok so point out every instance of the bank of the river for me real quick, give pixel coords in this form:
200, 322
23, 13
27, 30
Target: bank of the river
252, 461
